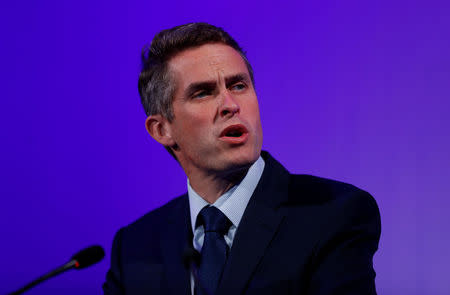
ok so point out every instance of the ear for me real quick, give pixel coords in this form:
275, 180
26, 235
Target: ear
159, 128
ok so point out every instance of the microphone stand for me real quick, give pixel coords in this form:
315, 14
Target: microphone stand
82, 259
55, 272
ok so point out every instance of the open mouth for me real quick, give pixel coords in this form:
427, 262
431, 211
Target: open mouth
234, 131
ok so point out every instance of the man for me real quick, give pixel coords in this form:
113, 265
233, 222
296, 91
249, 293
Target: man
258, 228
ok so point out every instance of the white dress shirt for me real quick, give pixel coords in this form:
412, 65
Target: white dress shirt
232, 204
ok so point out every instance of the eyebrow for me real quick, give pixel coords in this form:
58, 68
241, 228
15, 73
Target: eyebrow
236, 78
211, 85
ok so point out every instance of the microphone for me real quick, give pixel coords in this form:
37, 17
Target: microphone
88, 256
80, 260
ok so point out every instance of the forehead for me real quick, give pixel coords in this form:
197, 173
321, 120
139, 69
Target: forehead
205, 63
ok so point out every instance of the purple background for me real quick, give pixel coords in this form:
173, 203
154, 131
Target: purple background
348, 90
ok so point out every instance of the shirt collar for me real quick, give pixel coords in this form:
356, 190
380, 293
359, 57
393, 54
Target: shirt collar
233, 202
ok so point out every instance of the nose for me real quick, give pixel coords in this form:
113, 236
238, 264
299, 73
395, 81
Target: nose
229, 105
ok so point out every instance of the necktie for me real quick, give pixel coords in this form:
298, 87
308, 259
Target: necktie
214, 250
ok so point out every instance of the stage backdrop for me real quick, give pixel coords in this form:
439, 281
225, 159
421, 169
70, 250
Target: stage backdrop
348, 90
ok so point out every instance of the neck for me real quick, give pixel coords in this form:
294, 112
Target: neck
210, 186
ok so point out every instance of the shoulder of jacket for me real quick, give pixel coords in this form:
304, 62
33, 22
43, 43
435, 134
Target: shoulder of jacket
158, 216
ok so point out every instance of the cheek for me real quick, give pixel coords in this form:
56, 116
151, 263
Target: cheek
201, 116
192, 125
256, 120
254, 113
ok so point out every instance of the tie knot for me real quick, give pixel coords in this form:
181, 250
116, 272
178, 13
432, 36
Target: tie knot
214, 220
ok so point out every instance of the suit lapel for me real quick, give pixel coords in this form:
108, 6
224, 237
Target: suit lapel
175, 239
258, 226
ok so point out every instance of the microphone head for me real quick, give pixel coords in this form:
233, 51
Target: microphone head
88, 256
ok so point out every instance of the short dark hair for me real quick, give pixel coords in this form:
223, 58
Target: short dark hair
156, 85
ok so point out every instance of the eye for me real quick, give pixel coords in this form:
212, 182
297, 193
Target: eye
201, 94
239, 86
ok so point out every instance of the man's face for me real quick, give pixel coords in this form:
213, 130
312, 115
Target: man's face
216, 123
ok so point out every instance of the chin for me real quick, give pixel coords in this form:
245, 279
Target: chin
242, 159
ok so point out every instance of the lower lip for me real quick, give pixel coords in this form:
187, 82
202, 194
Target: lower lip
235, 140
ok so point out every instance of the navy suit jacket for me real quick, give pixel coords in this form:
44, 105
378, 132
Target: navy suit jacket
299, 234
